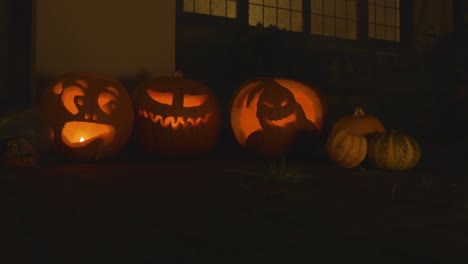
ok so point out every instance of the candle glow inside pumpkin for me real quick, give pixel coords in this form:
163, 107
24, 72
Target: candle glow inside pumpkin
78, 134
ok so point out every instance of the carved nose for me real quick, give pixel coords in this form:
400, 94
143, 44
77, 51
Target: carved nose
88, 116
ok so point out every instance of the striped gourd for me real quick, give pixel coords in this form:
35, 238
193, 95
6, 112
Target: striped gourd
347, 150
394, 151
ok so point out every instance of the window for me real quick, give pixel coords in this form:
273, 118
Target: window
285, 14
223, 8
334, 18
384, 19
343, 19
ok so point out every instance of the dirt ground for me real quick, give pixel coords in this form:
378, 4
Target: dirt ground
210, 209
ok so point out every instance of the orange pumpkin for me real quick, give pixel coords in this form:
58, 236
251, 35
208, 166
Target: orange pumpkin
90, 115
345, 149
359, 123
175, 116
269, 116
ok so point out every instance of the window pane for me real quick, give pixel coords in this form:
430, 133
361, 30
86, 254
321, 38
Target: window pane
390, 3
390, 17
351, 28
259, 2
390, 33
231, 9
284, 4
371, 31
371, 1
338, 18
380, 15
351, 14
340, 28
255, 15
296, 5
202, 7
387, 19
296, 22
223, 8
316, 26
329, 7
284, 19
380, 32
188, 5
270, 3
218, 7
317, 6
341, 8
398, 18
372, 14
277, 13
329, 26
269, 16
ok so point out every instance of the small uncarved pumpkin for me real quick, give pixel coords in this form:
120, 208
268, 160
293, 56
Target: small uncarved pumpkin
20, 153
345, 149
28, 124
394, 151
359, 123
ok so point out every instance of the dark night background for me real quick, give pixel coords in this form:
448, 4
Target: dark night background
134, 209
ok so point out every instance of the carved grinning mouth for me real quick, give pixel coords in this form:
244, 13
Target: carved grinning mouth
174, 122
283, 121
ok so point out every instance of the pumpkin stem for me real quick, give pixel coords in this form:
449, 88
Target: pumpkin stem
358, 111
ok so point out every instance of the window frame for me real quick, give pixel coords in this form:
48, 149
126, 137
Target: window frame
363, 40
180, 9
405, 26
291, 11
335, 18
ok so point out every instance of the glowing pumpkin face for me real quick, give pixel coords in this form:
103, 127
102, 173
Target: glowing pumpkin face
175, 116
270, 116
276, 106
91, 115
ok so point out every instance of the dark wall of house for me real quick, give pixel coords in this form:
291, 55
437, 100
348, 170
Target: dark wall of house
465, 11
3, 54
16, 50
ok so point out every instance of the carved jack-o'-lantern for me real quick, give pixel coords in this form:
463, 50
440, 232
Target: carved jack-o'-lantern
175, 116
271, 116
91, 115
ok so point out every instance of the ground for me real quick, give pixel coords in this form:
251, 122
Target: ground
211, 209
